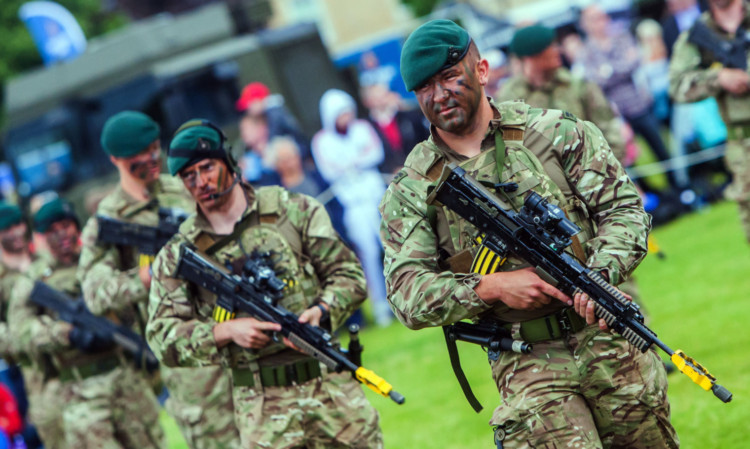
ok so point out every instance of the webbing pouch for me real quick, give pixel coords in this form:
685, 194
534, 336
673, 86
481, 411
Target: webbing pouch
279, 375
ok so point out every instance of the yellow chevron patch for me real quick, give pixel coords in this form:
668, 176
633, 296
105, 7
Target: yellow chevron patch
486, 261
221, 314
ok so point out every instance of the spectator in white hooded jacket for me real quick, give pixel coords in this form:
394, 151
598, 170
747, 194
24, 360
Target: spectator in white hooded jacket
347, 152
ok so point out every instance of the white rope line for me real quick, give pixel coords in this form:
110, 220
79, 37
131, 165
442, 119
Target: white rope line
676, 162
638, 172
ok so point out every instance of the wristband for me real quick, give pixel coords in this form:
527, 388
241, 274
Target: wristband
323, 309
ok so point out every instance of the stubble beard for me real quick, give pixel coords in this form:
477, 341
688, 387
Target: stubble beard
460, 120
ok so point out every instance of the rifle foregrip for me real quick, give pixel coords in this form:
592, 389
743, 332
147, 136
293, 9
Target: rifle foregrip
312, 351
378, 384
627, 333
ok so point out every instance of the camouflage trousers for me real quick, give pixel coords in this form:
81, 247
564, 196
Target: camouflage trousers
737, 160
46, 402
327, 412
200, 401
113, 410
594, 390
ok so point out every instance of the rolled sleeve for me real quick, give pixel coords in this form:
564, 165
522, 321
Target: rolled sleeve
174, 331
419, 293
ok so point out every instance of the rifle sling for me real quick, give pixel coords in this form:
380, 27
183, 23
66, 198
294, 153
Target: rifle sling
499, 154
450, 342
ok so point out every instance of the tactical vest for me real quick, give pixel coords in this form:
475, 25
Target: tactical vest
541, 171
266, 230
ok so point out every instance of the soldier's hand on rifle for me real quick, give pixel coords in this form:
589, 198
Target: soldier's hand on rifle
734, 81
521, 289
585, 307
245, 332
144, 273
313, 315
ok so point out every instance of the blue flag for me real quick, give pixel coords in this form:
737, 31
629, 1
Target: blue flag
54, 29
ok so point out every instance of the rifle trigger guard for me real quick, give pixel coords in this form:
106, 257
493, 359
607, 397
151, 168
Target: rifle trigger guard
493, 352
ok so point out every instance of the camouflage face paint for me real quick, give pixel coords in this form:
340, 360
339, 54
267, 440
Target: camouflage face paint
206, 181
62, 239
451, 99
147, 165
13, 240
219, 180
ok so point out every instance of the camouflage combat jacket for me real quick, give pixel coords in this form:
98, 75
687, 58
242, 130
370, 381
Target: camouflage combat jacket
308, 254
8, 279
37, 331
693, 74
566, 92
109, 274
602, 200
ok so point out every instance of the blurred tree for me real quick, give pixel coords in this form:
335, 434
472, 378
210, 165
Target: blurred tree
421, 7
17, 48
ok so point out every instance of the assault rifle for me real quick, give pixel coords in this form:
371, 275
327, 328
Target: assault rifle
75, 312
256, 293
539, 234
730, 53
148, 240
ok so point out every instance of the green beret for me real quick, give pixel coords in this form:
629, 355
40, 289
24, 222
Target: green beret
10, 215
434, 46
53, 211
192, 142
128, 133
531, 40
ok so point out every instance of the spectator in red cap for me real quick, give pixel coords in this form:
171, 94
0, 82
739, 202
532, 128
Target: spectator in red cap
10, 418
264, 117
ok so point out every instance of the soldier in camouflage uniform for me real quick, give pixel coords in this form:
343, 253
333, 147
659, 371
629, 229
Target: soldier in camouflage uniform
695, 73
545, 83
15, 260
103, 401
581, 386
114, 283
282, 398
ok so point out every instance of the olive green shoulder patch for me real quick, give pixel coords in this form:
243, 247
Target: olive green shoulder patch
569, 116
399, 176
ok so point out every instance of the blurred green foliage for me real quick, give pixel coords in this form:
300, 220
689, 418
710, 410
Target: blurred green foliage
19, 53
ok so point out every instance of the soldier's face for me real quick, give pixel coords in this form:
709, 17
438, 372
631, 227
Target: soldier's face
63, 240
548, 60
144, 166
13, 240
450, 99
205, 180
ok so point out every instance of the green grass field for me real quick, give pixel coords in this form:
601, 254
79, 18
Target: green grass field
695, 297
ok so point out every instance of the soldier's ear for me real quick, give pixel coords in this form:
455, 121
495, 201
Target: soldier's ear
482, 71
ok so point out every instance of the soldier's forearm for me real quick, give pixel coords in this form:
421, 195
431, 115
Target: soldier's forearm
694, 86
117, 291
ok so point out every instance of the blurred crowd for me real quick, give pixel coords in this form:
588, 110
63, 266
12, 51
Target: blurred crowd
625, 61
